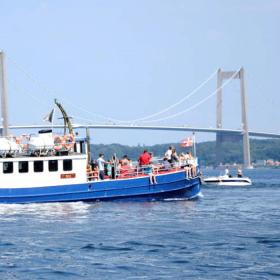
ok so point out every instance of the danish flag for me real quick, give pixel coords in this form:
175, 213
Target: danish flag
187, 142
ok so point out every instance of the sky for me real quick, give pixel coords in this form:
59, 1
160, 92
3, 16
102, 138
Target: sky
126, 60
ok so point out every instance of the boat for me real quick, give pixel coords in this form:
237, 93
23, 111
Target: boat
51, 168
226, 180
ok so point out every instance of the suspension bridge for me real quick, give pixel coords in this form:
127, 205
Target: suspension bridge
141, 123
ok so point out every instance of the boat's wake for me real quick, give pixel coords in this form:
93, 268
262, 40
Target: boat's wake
199, 195
44, 209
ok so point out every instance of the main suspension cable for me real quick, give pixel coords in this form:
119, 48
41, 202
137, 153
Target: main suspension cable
143, 119
195, 105
175, 104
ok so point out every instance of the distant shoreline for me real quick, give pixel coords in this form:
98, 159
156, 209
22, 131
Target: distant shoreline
261, 151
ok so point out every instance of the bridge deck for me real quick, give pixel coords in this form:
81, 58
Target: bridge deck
142, 127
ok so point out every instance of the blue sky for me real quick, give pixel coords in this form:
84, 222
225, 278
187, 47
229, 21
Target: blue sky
129, 59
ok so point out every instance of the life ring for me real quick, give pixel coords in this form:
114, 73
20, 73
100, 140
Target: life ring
58, 143
69, 141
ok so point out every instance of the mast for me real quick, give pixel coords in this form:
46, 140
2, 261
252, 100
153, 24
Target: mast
66, 119
4, 98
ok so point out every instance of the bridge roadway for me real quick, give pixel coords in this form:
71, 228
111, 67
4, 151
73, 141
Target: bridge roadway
142, 127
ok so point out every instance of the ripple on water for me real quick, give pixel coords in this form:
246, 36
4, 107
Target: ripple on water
227, 234
102, 247
53, 273
6, 244
269, 241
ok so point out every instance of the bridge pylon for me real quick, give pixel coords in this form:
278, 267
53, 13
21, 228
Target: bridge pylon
221, 76
3, 96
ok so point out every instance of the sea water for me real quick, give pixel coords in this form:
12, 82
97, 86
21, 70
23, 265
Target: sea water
228, 233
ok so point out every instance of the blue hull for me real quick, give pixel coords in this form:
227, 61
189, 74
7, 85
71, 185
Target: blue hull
168, 185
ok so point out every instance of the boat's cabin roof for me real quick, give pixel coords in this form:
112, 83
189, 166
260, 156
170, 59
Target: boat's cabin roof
40, 146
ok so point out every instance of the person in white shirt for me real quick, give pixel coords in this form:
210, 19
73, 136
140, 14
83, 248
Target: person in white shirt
227, 173
168, 153
101, 168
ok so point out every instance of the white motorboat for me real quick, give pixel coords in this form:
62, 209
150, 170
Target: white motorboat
226, 180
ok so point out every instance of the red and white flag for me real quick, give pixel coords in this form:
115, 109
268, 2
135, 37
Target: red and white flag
187, 142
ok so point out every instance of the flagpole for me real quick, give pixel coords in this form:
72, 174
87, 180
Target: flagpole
53, 117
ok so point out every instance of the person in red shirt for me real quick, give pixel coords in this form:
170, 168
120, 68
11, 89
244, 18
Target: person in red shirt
144, 158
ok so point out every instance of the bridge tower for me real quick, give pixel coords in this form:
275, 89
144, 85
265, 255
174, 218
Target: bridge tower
4, 99
221, 76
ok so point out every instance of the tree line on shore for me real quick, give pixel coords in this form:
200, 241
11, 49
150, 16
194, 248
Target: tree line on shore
232, 152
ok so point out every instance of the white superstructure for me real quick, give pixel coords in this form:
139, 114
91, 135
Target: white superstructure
24, 172
35, 161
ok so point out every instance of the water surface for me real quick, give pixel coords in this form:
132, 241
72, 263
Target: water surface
229, 233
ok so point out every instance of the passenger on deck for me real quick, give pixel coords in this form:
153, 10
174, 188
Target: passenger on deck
174, 158
89, 172
188, 171
89, 168
101, 162
125, 160
182, 160
145, 161
168, 154
126, 167
187, 157
191, 164
155, 165
108, 168
239, 172
145, 158
166, 164
95, 173
227, 173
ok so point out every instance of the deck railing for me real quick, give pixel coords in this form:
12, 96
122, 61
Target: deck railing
128, 171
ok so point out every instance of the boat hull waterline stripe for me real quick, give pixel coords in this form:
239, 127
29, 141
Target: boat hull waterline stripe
103, 190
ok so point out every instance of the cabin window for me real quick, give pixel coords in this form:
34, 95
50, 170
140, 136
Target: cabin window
53, 165
23, 166
8, 167
38, 166
67, 165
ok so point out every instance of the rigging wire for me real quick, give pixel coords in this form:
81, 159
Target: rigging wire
51, 95
38, 101
25, 92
